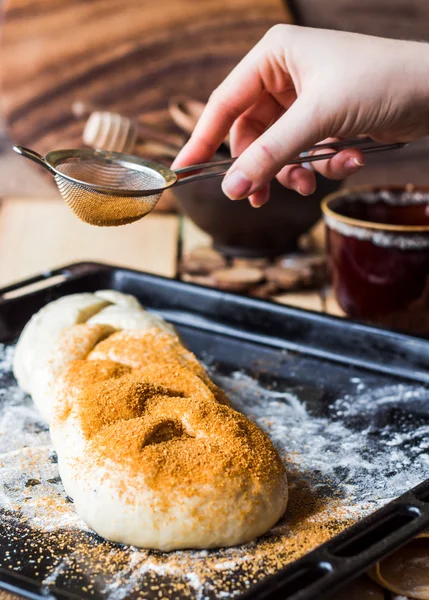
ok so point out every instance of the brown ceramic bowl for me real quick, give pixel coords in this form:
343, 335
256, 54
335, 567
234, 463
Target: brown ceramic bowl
238, 229
378, 242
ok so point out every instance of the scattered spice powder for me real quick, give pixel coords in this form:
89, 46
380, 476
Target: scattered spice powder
46, 539
75, 558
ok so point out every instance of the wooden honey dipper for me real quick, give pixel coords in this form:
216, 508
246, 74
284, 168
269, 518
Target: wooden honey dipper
112, 131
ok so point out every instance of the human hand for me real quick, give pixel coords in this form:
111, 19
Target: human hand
300, 86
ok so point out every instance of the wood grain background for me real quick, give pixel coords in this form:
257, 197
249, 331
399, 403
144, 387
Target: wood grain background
130, 56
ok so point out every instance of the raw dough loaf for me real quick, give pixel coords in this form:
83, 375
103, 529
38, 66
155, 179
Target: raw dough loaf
148, 446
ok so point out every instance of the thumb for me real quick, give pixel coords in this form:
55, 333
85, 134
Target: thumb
293, 133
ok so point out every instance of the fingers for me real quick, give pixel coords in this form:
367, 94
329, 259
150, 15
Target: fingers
248, 127
260, 198
265, 157
298, 178
343, 164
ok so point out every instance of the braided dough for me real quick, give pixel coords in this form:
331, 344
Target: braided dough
148, 446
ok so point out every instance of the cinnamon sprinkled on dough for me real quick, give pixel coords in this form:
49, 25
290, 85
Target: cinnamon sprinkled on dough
156, 349
159, 418
78, 558
105, 403
144, 428
187, 443
80, 374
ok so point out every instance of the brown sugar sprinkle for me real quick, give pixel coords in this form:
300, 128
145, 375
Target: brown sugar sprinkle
146, 405
156, 347
131, 348
185, 443
167, 410
79, 340
182, 382
160, 419
105, 403
80, 374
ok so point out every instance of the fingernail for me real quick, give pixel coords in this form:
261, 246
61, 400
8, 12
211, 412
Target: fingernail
296, 185
353, 164
254, 204
236, 186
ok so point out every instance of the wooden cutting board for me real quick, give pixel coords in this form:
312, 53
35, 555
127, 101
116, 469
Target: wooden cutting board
129, 56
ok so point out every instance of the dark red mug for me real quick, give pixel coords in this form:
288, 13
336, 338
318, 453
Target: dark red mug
378, 244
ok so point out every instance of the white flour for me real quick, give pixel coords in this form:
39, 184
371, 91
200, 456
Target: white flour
372, 465
365, 453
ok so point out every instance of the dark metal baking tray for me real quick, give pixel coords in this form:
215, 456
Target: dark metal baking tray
306, 350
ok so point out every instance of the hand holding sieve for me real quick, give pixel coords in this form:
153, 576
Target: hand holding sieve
111, 188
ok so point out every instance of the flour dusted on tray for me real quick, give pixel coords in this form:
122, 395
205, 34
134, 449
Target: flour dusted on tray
371, 466
337, 472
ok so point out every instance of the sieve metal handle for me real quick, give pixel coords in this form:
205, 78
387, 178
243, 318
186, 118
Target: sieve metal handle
366, 145
34, 156
208, 165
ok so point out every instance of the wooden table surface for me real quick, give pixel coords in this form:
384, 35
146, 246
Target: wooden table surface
37, 234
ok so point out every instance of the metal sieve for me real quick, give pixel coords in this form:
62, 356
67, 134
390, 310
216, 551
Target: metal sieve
110, 188
105, 188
